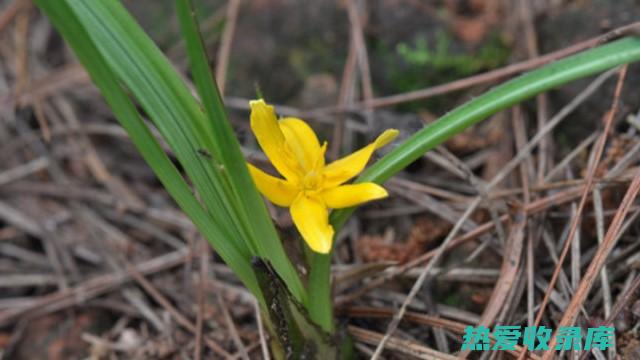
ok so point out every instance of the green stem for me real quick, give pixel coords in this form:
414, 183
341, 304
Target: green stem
551, 76
320, 305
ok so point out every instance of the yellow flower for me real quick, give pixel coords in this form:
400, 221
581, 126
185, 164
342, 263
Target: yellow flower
310, 188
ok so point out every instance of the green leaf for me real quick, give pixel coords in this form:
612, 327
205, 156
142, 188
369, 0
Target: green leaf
230, 199
252, 211
62, 15
320, 299
551, 76
142, 68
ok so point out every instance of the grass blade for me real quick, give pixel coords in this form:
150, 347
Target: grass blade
66, 20
142, 68
252, 209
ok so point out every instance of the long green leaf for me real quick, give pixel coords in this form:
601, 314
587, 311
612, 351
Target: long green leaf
146, 72
142, 68
66, 21
253, 211
553, 75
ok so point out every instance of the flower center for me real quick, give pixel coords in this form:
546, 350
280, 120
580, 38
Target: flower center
312, 181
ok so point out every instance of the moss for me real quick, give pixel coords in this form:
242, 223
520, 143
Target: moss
421, 64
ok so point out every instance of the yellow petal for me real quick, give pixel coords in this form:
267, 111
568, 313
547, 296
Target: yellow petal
302, 141
311, 217
351, 195
349, 166
272, 141
278, 191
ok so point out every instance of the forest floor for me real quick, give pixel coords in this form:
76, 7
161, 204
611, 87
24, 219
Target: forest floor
97, 261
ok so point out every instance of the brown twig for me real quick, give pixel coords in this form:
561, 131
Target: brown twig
522, 154
484, 78
11, 11
357, 34
224, 51
508, 271
231, 326
178, 317
263, 337
89, 289
591, 170
604, 276
499, 177
346, 89
422, 319
525, 174
204, 272
403, 346
535, 207
613, 234
542, 108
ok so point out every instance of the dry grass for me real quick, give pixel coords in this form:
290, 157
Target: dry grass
517, 229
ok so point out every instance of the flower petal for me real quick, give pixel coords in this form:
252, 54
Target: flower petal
311, 217
351, 195
303, 142
349, 166
272, 141
278, 191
